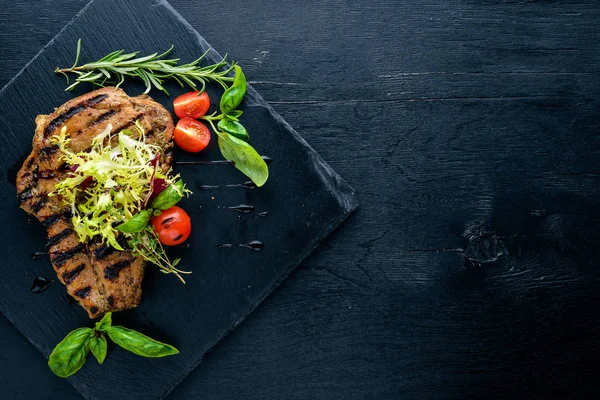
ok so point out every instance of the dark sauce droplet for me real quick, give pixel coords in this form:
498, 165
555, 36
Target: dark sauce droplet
40, 284
242, 208
205, 187
263, 214
214, 162
39, 254
253, 245
248, 185
267, 159
220, 245
185, 245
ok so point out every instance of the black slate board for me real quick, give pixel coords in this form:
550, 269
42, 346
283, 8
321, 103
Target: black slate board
304, 200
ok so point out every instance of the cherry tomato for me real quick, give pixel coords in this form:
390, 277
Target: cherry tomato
191, 105
172, 226
191, 135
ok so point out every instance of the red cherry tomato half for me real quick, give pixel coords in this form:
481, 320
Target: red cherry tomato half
191, 105
172, 226
191, 135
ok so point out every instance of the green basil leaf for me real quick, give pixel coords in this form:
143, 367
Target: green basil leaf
234, 128
235, 93
136, 223
98, 346
69, 355
234, 115
169, 197
139, 344
104, 323
244, 158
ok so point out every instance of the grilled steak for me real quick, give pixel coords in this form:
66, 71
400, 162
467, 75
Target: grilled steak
99, 277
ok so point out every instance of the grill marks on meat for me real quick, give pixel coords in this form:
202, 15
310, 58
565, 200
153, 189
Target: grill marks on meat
48, 150
83, 293
56, 239
38, 205
69, 276
61, 257
112, 271
72, 111
48, 221
104, 250
103, 117
99, 277
45, 175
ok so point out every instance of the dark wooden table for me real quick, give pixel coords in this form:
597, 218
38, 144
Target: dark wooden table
471, 131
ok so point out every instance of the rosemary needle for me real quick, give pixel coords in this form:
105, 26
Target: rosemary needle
153, 69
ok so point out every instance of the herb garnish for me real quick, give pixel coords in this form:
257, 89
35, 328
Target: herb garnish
153, 69
233, 137
121, 179
70, 354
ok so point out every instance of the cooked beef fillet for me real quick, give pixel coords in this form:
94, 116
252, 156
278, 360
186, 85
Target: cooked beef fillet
100, 278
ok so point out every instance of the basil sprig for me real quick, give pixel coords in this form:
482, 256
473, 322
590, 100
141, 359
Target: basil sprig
104, 323
233, 136
139, 344
136, 223
244, 157
235, 93
99, 347
169, 197
165, 200
234, 128
234, 115
70, 354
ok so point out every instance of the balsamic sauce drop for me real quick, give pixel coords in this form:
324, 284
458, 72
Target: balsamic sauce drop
214, 162
267, 159
38, 254
242, 208
253, 245
40, 284
249, 185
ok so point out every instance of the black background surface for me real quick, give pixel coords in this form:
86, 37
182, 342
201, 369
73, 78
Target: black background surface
304, 201
470, 130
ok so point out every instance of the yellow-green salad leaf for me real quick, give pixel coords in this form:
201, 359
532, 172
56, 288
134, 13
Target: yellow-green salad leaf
109, 186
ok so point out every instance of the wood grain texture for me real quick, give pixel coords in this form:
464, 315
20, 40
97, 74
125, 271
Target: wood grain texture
470, 130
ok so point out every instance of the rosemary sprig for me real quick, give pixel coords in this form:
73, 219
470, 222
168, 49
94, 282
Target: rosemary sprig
153, 69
